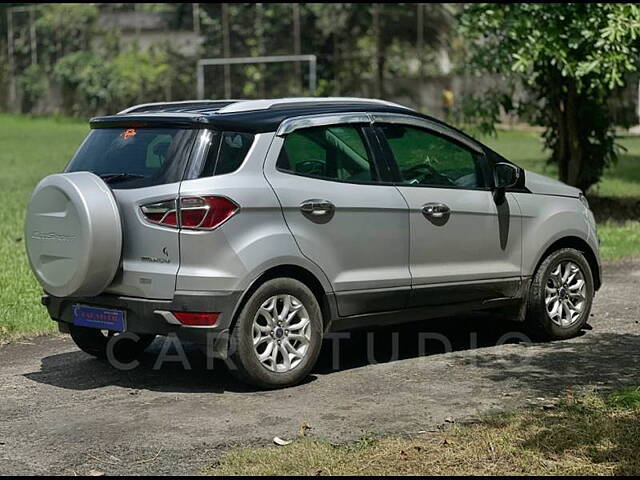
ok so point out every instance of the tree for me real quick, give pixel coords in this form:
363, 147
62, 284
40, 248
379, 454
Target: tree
570, 57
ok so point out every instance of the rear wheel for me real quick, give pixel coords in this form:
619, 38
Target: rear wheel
277, 337
560, 296
95, 342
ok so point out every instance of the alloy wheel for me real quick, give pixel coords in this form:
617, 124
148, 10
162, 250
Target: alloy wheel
281, 333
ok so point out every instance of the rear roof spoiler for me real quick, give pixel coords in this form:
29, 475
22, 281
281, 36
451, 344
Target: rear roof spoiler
176, 120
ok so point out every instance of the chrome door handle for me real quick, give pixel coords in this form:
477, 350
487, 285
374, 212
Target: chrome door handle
436, 210
317, 208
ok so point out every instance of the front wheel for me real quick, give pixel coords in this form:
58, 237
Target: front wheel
277, 337
560, 296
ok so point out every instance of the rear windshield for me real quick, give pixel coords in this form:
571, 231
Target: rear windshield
135, 157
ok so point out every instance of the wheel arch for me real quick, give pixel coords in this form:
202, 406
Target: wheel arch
581, 245
297, 272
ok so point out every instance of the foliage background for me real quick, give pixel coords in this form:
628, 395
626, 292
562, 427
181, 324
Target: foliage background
83, 58
569, 68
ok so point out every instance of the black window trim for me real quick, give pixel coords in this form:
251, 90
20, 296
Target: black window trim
441, 133
363, 129
200, 153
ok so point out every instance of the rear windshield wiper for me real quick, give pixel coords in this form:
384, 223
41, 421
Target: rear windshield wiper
119, 177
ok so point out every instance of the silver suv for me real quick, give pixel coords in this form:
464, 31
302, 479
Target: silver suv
256, 227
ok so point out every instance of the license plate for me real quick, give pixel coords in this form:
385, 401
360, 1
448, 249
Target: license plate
96, 317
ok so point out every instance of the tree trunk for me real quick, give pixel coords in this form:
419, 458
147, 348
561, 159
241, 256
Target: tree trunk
574, 172
380, 52
297, 47
560, 153
568, 149
226, 49
259, 25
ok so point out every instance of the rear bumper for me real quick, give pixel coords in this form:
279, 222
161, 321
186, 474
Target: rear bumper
149, 316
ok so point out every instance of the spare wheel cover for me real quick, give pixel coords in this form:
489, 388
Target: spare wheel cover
73, 234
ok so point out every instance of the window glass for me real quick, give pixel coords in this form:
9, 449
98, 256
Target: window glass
427, 159
226, 153
134, 157
334, 153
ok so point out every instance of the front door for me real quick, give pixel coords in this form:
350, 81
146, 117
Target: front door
464, 245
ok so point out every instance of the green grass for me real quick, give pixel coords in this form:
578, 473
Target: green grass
525, 148
583, 435
619, 240
30, 149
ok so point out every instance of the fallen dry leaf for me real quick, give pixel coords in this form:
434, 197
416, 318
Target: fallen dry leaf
281, 442
304, 428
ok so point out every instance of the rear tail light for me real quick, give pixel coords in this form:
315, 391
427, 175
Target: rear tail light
205, 212
196, 318
197, 213
163, 213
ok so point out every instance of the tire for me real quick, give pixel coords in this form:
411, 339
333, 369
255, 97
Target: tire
94, 342
256, 322
547, 322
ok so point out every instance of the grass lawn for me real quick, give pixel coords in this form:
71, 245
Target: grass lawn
526, 149
583, 435
35, 147
31, 149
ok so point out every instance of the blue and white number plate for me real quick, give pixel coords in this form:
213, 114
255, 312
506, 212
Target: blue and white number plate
96, 317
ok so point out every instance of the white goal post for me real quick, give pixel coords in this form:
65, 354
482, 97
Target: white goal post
204, 62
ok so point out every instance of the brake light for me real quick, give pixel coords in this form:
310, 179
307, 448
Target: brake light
205, 212
196, 318
197, 213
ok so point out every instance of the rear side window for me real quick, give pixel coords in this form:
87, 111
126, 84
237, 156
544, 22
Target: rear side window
226, 153
332, 153
135, 157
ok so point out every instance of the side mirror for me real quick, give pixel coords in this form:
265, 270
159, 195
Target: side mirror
505, 175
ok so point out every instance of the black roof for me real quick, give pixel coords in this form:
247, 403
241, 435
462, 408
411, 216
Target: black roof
199, 113
256, 121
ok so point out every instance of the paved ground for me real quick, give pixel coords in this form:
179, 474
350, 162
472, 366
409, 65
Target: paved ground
63, 412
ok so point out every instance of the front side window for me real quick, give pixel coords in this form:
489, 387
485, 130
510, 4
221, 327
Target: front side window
332, 153
424, 158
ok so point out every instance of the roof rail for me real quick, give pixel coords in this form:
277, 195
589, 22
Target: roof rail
186, 103
249, 105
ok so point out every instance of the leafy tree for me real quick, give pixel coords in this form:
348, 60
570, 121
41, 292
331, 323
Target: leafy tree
32, 82
570, 57
64, 28
94, 84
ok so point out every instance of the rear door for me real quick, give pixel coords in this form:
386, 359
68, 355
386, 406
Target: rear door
143, 167
343, 214
464, 245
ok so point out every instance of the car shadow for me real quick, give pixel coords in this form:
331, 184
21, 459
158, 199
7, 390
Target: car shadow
191, 373
604, 359
358, 348
195, 373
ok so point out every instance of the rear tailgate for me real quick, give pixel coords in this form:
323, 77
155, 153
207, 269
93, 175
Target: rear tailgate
143, 166
150, 253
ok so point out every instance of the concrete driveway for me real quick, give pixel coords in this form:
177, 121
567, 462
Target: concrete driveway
63, 412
